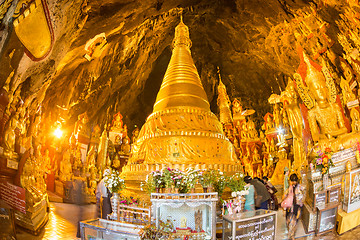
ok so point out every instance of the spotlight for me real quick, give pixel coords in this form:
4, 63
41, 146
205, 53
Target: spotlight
58, 132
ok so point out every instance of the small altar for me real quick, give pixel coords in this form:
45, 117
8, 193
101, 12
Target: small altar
192, 214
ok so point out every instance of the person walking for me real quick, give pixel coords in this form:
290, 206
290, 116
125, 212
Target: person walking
249, 198
293, 201
262, 195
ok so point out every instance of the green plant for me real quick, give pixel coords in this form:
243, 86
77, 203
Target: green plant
220, 183
167, 177
192, 176
149, 185
236, 182
208, 178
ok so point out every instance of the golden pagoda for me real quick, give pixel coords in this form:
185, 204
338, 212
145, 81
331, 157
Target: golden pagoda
181, 132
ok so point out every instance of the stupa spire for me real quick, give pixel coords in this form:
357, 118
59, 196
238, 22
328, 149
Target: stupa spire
181, 86
223, 102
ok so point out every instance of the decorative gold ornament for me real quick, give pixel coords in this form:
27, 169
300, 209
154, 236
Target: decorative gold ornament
33, 27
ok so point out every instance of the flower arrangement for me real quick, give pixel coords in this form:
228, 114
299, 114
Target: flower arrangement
191, 177
221, 182
323, 161
178, 177
208, 178
129, 201
236, 182
113, 181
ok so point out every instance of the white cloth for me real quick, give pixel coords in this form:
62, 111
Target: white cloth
101, 190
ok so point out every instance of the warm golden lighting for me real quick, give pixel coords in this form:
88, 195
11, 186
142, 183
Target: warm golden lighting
58, 132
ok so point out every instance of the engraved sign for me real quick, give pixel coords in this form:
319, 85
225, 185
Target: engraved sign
254, 228
13, 195
320, 199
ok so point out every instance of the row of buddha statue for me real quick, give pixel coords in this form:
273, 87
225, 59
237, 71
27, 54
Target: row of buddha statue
310, 112
89, 154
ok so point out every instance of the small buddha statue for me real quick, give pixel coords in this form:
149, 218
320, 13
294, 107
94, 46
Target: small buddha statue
125, 146
135, 134
10, 135
237, 110
117, 123
66, 167
256, 156
183, 222
81, 126
355, 120
348, 95
116, 162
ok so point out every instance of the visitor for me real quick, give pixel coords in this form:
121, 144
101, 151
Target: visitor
250, 197
103, 193
273, 202
262, 195
292, 202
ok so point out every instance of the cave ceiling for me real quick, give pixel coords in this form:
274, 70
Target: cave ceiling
253, 42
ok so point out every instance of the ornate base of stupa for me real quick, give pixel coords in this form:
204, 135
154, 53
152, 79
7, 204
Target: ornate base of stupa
135, 174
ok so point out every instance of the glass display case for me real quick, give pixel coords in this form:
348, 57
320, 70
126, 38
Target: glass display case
259, 224
326, 218
101, 229
192, 214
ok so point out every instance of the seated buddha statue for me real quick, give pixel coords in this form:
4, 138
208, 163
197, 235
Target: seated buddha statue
355, 120
66, 173
117, 123
325, 116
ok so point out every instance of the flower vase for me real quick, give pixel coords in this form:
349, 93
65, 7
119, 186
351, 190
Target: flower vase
205, 189
115, 200
157, 190
325, 181
167, 190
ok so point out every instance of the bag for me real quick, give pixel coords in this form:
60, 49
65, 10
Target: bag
288, 201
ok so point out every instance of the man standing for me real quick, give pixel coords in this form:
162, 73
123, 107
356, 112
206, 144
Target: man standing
262, 195
103, 199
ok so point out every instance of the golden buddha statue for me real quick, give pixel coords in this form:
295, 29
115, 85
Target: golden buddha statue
66, 173
10, 135
116, 162
237, 110
117, 123
135, 134
125, 146
81, 127
325, 116
348, 95
256, 157
355, 120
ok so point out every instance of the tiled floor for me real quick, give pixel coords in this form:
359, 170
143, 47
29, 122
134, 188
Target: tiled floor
63, 220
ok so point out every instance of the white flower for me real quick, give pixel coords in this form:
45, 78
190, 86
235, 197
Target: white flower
233, 194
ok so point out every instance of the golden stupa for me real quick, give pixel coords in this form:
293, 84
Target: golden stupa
181, 132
